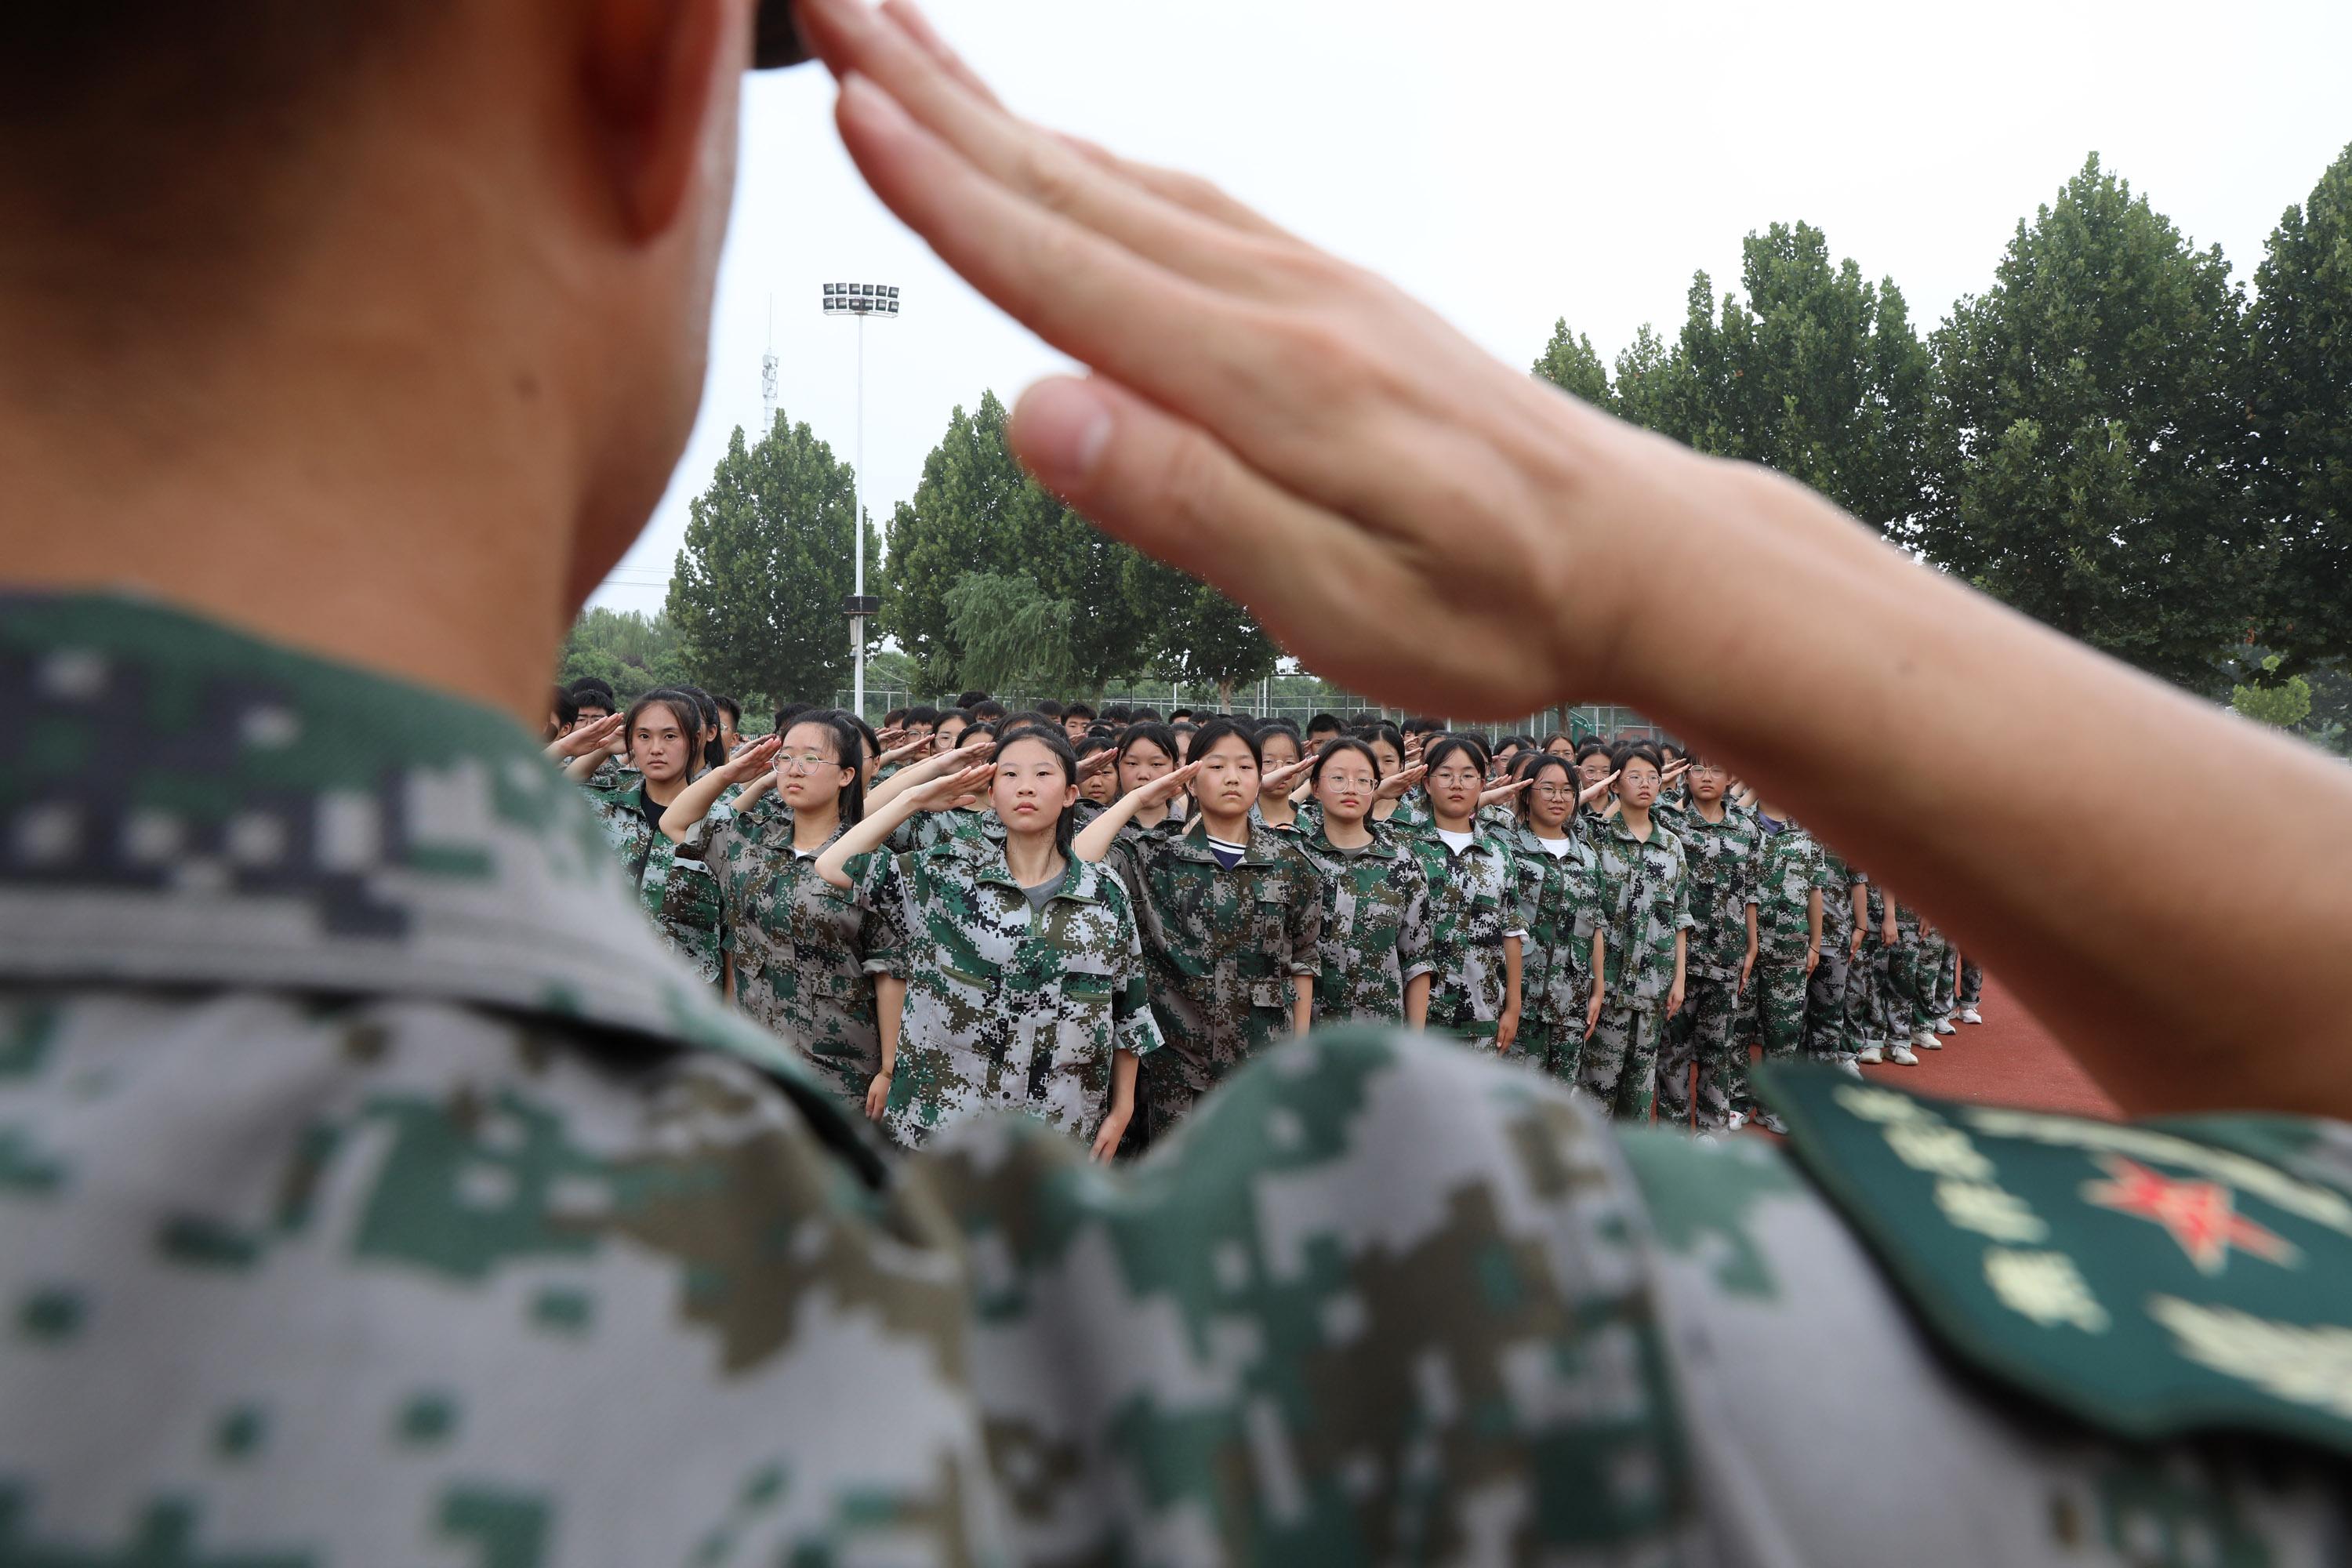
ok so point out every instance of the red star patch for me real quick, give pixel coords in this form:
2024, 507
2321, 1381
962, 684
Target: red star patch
2201, 1215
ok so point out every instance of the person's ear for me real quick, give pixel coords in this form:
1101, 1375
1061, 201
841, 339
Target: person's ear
656, 73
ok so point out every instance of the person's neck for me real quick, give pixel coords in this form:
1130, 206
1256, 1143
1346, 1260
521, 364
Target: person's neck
1708, 810
1345, 833
814, 826
1542, 830
1275, 809
1444, 823
1151, 816
1034, 856
1636, 820
383, 471
1232, 829
661, 791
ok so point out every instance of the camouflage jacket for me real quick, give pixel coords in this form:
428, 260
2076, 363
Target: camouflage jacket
1721, 860
1473, 903
1220, 947
1559, 908
1837, 895
373, 1189
1645, 891
1008, 1009
929, 830
805, 954
674, 886
1789, 869
1376, 927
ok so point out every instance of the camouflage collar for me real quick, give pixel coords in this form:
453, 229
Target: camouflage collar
1079, 879
1193, 843
182, 804
1381, 848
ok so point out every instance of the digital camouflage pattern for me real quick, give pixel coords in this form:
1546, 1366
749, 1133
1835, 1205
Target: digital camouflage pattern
1790, 871
929, 830
1560, 910
1221, 950
373, 1189
1009, 1009
1829, 1036
1472, 906
1697, 1043
1376, 935
674, 887
806, 955
1645, 900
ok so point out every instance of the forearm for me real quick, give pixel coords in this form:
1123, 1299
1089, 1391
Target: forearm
1095, 841
692, 805
868, 833
890, 1013
1416, 1001
1510, 974
1813, 919
1302, 1002
2013, 870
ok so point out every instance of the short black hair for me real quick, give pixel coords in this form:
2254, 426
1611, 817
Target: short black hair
1049, 708
894, 717
1079, 711
732, 708
1324, 724
790, 712
1632, 750
591, 690
563, 709
920, 713
987, 709
1178, 715
972, 700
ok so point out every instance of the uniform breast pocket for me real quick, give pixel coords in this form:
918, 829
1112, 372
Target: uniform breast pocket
1270, 920
1084, 1021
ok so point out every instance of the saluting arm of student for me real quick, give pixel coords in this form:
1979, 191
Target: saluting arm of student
918, 773
1396, 507
695, 801
1094, 842
873, 830
593, 740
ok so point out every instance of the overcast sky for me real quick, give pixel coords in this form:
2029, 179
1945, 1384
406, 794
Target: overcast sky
1517, 161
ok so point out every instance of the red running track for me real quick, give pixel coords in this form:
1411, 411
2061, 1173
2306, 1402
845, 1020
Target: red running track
2009, 1059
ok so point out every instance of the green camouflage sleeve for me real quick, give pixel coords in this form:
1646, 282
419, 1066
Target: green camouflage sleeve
1133, 1027
1305, 932
1415, 932
1683, 919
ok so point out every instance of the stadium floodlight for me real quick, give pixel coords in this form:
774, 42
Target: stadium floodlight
860, 301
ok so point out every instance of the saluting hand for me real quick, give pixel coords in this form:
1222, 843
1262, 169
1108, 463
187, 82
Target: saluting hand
1281, 778
1595, 789
940, 793
1503, 791
904, 749
1167, 786
1393, 786
755, 758
586, 738
1100, 761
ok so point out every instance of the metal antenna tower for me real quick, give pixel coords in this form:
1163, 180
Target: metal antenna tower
768, 376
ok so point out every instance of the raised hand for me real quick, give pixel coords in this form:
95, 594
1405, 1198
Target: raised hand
1279, 781
1099, 762
903, 749
751, 760
1394, 787
1595, 789
1167, 786
940, 793
586, 738
1503, 791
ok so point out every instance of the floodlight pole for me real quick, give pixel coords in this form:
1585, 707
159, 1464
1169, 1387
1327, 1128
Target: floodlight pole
859, 300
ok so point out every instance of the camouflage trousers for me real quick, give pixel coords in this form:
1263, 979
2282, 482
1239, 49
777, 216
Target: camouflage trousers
1829, 1033
1552, 1040
1865, 996
1700, 1036
1971, 982
1926, 975
1620, 1060
1780, 985
1946, 999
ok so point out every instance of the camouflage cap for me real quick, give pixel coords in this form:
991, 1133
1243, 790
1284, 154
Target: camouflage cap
775, 40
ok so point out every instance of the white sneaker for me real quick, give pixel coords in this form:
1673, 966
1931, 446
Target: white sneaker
1945, 1026
1849, 1066
1900, 1055
1771, 1124
1969, 1015
1872, 1055
1735, 1121
1925, 1040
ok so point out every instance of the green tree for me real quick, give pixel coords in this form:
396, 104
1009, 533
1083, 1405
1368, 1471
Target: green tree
2088, 439
2284, 702
976, 513
1016, 635
1570, 364
758, 590
2300, 390
629, 651
1198, 637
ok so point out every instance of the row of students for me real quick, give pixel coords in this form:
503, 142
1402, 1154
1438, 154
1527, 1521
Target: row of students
1546, 905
